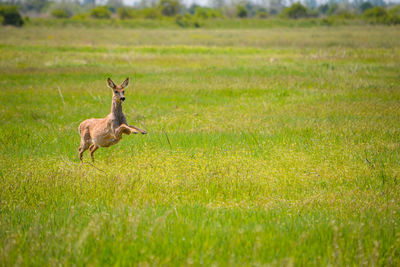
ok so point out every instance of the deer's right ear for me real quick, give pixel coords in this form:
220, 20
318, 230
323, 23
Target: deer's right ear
111, 84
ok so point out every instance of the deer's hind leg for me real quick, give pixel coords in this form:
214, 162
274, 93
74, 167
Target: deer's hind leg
92, 149
85, 144
82, 148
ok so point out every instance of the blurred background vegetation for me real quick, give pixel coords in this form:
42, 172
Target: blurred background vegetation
190, 14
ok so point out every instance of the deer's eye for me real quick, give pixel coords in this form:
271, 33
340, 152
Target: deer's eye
116, 92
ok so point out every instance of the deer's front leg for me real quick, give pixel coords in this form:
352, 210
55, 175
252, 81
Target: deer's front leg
138, 129
124, 129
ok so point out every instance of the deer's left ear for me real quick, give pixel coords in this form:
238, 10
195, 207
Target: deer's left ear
125, 83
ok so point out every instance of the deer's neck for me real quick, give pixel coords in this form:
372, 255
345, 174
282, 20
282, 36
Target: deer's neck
116, 108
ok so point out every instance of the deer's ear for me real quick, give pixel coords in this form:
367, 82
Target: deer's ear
125, 83
111, 84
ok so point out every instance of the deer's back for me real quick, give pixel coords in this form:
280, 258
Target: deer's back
92, 125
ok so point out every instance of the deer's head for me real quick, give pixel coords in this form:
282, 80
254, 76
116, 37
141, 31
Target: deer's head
118, 90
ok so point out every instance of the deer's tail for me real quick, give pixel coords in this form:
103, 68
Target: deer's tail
80, 129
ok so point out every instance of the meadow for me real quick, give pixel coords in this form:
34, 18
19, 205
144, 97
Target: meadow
276, 146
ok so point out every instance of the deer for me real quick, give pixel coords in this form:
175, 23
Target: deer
107, 131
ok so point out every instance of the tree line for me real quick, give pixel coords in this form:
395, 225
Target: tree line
374, 11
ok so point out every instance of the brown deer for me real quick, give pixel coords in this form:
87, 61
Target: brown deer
107, 131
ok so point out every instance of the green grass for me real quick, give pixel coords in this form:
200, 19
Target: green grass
265, 146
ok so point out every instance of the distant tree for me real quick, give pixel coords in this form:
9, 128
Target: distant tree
217, 3
275, 6
333, 9
113, 5
323, 8
311, 3
68, 7
251, 8
89, 2
364, 6
169, 7
241, 11
192, 8
295, 11
147, 3
34, 5
9, 15
378, 2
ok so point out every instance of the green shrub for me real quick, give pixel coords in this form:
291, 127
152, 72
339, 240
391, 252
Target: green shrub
376, 15
201, 13
394, 11
10, 16
295, 11
312, 13
392, 19
125, 13
344, 14
328, 21
241, 11
187, 20
207, 13
273, 11
381, 16
150, 13
100, 12
376, 12
80, 16
182, 21
60, 13
112, 8
262, 15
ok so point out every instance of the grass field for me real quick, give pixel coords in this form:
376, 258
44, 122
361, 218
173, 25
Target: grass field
265, 146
